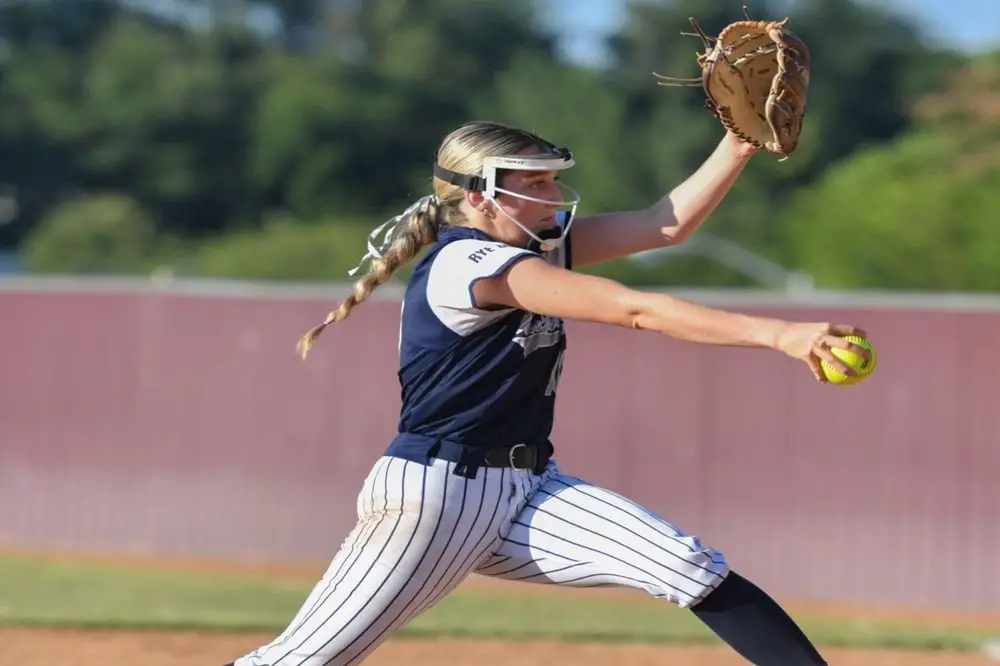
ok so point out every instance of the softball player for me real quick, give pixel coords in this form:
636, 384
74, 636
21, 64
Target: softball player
469, 484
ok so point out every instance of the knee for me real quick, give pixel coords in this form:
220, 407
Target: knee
688, 579
707, 564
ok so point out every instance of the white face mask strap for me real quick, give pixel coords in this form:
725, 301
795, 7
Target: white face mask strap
545, 245
573, 200
549, 244
389, 227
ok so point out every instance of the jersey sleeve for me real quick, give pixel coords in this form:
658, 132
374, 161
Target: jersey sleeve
456, 269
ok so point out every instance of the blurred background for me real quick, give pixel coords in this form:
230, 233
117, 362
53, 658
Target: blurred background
184, 184
262, 139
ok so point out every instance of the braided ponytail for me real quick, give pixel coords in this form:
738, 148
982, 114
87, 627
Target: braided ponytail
408, 233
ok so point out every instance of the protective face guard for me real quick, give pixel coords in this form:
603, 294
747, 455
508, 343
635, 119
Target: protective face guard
486, 183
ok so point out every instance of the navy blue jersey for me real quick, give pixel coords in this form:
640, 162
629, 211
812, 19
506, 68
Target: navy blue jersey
468, 375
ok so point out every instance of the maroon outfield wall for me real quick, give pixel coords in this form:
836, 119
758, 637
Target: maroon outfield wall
185, 424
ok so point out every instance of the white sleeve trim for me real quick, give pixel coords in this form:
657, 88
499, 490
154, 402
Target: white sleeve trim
454, 271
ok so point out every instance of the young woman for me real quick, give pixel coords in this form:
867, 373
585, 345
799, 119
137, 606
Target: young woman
469, 484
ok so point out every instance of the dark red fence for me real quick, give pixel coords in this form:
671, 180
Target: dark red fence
176, 423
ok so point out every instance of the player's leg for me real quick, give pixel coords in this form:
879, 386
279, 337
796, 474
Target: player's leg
576, 534
421, 529
753, 624
573, 533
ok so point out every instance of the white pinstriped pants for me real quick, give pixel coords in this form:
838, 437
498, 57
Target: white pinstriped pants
422, 530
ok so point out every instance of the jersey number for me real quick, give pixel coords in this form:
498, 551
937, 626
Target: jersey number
556, 374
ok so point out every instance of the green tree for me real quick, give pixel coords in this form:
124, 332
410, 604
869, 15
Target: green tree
166, 119
332, 137
104, 233
918, 213
284, 249
456, 46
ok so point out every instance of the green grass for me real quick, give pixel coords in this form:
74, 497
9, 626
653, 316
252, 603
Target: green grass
36, 592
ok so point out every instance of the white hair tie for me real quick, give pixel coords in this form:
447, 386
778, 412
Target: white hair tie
389, 228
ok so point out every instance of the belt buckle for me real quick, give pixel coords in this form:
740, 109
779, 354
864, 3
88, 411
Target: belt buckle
510, 457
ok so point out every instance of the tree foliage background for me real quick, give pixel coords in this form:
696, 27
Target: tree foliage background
264, 138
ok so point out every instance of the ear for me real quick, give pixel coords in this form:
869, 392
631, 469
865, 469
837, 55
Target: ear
478, 202
476, 199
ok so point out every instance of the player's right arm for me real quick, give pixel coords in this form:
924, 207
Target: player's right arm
536, 286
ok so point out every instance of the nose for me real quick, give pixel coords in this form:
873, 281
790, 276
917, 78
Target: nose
555, 195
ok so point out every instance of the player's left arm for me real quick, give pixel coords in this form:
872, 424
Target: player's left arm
669, 221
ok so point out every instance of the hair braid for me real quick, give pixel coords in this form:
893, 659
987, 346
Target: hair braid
420, 230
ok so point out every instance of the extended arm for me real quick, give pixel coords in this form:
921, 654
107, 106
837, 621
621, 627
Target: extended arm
534, 285
669, 221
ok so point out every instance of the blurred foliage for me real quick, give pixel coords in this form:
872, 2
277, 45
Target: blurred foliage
917, 213
96, 234
284, 249
264, 138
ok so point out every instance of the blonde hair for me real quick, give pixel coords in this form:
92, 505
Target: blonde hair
462, 151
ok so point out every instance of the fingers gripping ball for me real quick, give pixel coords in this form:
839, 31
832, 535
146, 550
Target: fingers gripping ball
864, 367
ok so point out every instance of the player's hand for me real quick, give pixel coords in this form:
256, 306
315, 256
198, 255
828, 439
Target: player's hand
812, 343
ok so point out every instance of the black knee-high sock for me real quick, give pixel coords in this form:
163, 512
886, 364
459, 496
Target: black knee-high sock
754, 625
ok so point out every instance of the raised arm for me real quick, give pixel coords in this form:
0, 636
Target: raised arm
534, 285
669, 221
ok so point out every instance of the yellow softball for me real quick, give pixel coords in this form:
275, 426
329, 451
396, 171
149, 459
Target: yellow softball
864, 367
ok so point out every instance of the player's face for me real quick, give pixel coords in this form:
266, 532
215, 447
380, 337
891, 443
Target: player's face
534, 215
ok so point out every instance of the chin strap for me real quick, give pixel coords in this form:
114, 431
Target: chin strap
552, 233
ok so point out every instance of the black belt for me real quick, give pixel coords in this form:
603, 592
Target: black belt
518, 456
521, 456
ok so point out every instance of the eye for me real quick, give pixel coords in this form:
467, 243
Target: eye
542, 182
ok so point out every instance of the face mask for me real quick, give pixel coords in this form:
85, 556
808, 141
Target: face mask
559, 160
544, 241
